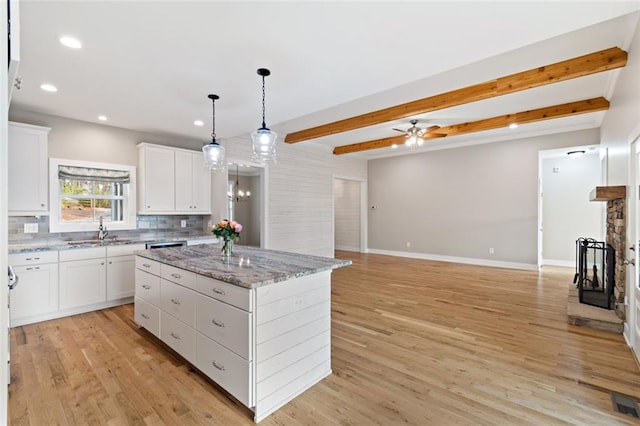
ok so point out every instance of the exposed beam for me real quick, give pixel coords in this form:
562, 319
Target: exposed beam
580, 66
541, 114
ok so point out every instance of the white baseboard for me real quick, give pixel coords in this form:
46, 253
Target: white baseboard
555, 262
348, 248
454, 259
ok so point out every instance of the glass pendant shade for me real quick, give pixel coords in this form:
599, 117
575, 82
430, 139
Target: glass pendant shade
213, 156
264, 145
213, 152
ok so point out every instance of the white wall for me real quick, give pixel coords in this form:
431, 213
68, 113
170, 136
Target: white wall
567, 213
623, 117
457, 204
346, 195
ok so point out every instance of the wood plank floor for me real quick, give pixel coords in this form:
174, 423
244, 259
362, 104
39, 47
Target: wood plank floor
414, 342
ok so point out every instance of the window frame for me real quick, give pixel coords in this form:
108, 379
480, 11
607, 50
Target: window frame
129, 192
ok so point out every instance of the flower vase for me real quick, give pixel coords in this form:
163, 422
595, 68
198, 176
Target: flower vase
227, 247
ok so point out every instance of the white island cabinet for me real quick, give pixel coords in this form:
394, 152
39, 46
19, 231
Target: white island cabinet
258, 323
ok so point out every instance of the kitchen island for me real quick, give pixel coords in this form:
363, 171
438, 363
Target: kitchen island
257, 323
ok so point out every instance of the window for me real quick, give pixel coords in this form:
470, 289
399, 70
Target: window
84, 193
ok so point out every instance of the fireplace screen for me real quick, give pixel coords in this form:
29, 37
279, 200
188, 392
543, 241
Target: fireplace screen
595, 266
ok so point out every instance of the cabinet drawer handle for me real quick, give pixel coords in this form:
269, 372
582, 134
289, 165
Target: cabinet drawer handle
216, 290
176, 276
217, 324
29, 269
146, 265
146, 287
33, 258
175, 302
175, 336
145, 316
218, 366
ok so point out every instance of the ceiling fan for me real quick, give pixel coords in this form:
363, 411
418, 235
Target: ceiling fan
415, 134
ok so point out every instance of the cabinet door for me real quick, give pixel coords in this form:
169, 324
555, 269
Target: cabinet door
36, 292
157, 189
120, 277
82, 282
201, 185
28, 192
184, 181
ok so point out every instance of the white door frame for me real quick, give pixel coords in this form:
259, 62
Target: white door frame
632, 290
4, 176
264, 196
363, 209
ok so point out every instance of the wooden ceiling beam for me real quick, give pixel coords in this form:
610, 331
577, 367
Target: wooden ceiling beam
541, 114
592, 63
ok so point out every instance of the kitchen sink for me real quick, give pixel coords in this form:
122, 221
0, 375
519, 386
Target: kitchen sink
96, 241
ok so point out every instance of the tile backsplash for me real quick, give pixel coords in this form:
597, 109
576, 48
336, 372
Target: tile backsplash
148, 226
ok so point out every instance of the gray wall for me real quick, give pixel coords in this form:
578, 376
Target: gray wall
461, 202
346, 195
567, 213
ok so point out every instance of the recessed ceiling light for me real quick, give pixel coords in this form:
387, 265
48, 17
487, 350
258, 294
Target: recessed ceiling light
70, 42
48, 87
513, 125
394, 146
102, 117
198, 123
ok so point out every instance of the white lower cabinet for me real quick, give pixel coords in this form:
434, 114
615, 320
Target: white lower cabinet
229, 370
36, 295
82, 282
264, 345
120, 277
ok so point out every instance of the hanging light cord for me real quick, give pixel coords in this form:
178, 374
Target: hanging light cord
213, 124
264, 125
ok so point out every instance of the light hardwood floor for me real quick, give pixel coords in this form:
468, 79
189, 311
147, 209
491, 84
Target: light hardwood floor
414, 342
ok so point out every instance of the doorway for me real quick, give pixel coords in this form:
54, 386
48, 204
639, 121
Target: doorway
565, 212
348, 218
245, 197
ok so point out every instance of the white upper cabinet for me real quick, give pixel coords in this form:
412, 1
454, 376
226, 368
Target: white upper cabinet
193, 183
13, 45
172, 181
156, 171
28, 170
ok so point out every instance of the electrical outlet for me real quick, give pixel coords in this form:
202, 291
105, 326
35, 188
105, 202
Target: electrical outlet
408, 244
183, 223
491, 250
30, 228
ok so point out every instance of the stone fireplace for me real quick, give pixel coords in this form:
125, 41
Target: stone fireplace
615, 196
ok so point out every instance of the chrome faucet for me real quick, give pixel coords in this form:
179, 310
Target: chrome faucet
102, 231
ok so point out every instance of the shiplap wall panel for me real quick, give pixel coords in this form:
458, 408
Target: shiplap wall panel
300, 185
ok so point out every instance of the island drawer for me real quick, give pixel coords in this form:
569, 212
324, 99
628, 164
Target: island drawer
227, 325
148, 287
148, 265
148, 316
228, 293
178, 335
226, 368
178, 301
178, 276
18, 259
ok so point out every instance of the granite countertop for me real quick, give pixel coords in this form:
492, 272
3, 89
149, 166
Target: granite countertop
50, 245
249, 267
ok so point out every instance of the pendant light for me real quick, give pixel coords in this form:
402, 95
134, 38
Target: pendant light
213, 152
264, 140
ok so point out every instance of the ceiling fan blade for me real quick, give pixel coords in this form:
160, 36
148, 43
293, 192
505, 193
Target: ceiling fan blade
431, 128
399, 130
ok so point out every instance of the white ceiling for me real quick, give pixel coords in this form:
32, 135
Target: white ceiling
149, 65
